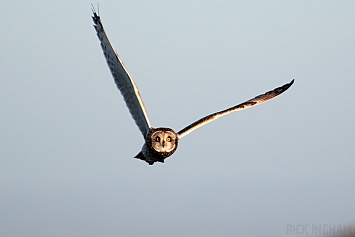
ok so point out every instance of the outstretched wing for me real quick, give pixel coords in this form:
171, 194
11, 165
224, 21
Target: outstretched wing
247, 104
122, 79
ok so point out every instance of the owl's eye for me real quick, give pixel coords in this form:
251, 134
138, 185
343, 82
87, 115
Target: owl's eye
168, 139
157, 139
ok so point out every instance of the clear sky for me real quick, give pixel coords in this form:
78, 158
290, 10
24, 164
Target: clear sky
67, 140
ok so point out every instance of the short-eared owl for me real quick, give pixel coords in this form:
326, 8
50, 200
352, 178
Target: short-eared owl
160, 143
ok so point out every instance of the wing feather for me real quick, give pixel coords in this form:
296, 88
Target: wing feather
245, 105
122, 79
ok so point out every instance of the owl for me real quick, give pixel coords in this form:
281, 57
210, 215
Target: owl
160, 143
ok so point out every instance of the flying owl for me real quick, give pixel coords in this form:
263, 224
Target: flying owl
160, 143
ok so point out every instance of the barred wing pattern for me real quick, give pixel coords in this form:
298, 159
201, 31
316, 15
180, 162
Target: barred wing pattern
122, 79
247, 104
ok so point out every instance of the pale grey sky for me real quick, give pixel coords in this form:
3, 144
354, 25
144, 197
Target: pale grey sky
67, 140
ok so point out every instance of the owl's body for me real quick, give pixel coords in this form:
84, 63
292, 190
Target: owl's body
160, 143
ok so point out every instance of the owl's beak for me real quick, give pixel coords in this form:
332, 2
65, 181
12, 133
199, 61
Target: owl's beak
163, 143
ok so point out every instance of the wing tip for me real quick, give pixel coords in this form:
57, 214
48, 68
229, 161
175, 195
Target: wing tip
288, 85
96, 15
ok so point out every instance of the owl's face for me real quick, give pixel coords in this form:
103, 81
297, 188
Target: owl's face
164, 140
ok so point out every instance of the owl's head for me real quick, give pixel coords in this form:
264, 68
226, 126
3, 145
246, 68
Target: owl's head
163, 140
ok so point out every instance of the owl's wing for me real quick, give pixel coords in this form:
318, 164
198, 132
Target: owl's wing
122, 79
247, 104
